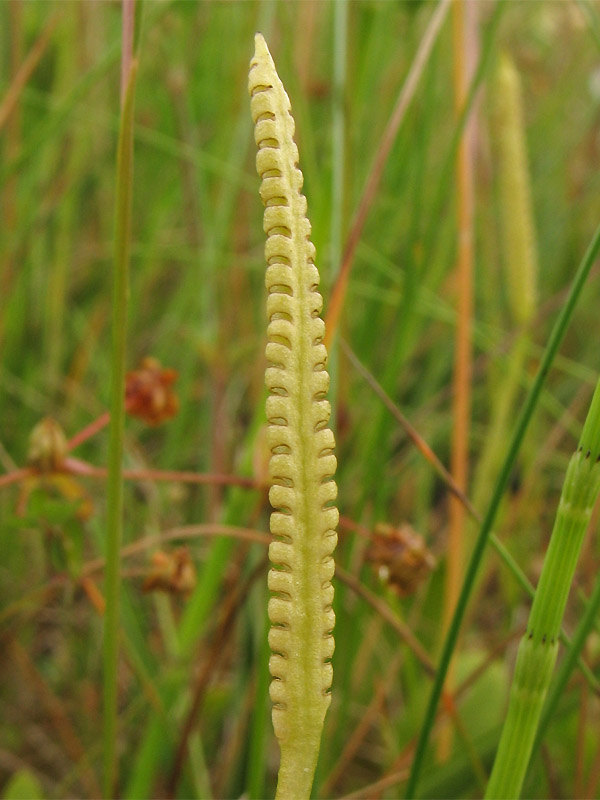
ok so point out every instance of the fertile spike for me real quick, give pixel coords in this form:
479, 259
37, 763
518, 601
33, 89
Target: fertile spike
302, 463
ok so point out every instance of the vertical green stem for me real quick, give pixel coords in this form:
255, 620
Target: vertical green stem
539, 646
568, 662
338, 168
124, 187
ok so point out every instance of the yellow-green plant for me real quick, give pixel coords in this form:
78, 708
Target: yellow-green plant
302, 463
516, 208
519, 254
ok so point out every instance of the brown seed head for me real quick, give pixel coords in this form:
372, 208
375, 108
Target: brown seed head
401, 557
47, 446
171, 572
149, 394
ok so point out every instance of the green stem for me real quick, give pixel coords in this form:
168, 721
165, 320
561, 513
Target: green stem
556, 337
114, 500
539, 646
568, 663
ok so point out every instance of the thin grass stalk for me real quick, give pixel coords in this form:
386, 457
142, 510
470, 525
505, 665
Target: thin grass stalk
338, 171
338, 132
302, 463
558, 332
463, 353
539, 646
114, 499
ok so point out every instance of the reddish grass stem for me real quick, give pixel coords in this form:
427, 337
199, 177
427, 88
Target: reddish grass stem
463, 358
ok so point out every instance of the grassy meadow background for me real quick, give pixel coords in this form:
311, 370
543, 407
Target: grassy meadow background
194, 712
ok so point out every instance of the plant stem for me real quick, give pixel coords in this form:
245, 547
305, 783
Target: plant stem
567, 664
539, 646
461, 383
124, 189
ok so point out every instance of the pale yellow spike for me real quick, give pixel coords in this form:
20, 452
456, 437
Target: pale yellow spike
302, 463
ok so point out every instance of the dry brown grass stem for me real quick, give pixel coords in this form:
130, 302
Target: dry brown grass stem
74, 466
77, 467
127, 33
372, 185
463, 29
185, 532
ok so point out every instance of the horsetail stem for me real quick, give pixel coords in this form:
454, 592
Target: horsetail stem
302, 463
539, 646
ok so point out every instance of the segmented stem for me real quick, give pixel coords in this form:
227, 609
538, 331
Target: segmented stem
539, 646
302, 463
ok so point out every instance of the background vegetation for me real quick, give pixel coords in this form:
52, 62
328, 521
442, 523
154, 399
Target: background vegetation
194, 718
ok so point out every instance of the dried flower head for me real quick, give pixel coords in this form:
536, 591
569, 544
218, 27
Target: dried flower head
171, 572
401, 557
48, 446
149, 394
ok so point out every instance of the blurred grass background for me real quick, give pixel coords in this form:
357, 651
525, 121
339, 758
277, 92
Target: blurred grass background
194, 667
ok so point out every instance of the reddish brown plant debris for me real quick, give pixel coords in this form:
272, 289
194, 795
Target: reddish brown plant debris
400, 557
171, 572
149, 394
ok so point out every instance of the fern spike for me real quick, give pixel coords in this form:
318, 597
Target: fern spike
302, 462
